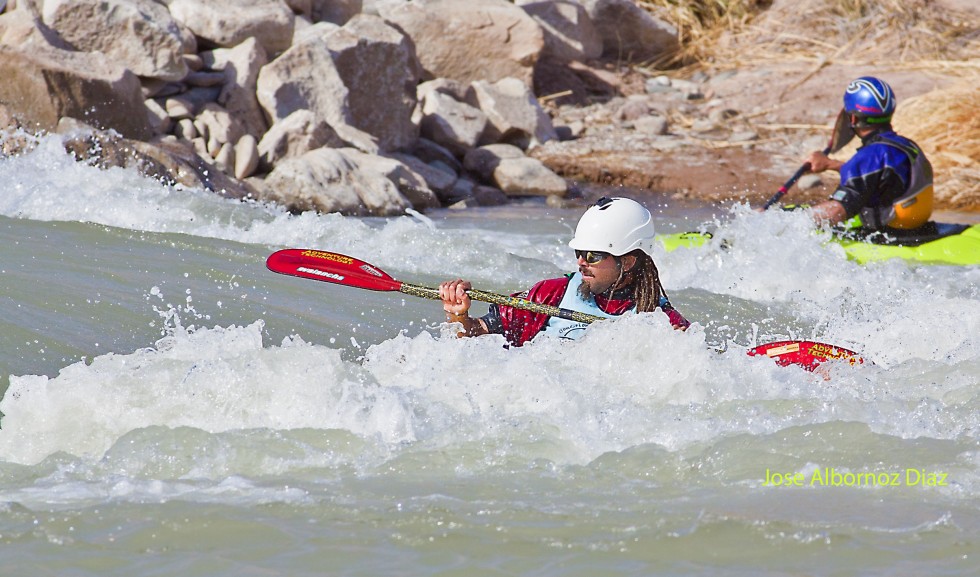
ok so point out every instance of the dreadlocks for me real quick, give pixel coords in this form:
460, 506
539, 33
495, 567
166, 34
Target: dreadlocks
643, 277
647, 290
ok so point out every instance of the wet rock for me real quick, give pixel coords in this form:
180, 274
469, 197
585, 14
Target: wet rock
168, 160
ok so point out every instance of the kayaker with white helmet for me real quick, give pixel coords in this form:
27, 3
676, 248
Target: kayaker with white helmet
616, 275
888, 181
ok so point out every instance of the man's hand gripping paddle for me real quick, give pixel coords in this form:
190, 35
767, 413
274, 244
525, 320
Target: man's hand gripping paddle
345, 270
843, 134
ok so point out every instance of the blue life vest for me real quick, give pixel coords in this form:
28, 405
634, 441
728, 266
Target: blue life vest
572, 300
914, 207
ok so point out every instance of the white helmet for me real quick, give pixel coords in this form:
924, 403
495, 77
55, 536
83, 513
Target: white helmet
614, 225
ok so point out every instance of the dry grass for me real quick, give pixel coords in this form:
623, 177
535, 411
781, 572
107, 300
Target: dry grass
945, 124
700, 24
739, 32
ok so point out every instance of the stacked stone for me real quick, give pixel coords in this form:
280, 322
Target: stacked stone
354, 106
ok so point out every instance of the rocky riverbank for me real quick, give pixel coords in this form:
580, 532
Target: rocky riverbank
376, 107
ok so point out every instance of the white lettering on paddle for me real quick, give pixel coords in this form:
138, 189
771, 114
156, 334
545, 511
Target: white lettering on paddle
322, 273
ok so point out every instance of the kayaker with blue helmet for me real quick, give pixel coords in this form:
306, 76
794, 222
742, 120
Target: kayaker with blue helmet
616, 275
888, 181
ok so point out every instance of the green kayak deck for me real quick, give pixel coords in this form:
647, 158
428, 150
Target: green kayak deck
935, 243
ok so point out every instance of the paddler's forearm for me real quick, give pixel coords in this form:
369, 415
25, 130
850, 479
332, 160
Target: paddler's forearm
471, 327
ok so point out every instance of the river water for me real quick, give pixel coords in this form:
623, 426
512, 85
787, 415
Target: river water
172, 407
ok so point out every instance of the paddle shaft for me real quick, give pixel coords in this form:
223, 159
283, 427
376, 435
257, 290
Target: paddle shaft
842, 134
515, 302
348, 271
789, 183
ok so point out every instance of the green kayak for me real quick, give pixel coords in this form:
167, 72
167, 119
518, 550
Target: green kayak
933, 243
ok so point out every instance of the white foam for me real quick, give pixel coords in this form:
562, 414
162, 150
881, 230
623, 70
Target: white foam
215, 380
49, 185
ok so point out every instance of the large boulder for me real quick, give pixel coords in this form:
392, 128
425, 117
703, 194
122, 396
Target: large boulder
439, 178
295, 135
467, 41
630, 33
306, 78
24, 28
43, 84
359, 78
378, 65
216, 21
330, 180
455, 125
528, 176
409, 182
568, 31
139, 34
513, 113
506, 167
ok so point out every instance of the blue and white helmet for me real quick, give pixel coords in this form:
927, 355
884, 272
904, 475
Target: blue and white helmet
870, 99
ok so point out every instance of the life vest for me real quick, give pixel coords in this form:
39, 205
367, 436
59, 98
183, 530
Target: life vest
572, 300
914, 207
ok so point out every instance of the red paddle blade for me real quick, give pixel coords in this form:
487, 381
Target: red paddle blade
331, 267
807, 354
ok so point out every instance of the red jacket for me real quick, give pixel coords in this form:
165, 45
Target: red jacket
519, 326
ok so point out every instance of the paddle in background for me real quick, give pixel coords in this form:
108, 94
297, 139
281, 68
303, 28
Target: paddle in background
345, 270
843, 134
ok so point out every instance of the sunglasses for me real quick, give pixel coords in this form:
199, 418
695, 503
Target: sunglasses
591, 256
